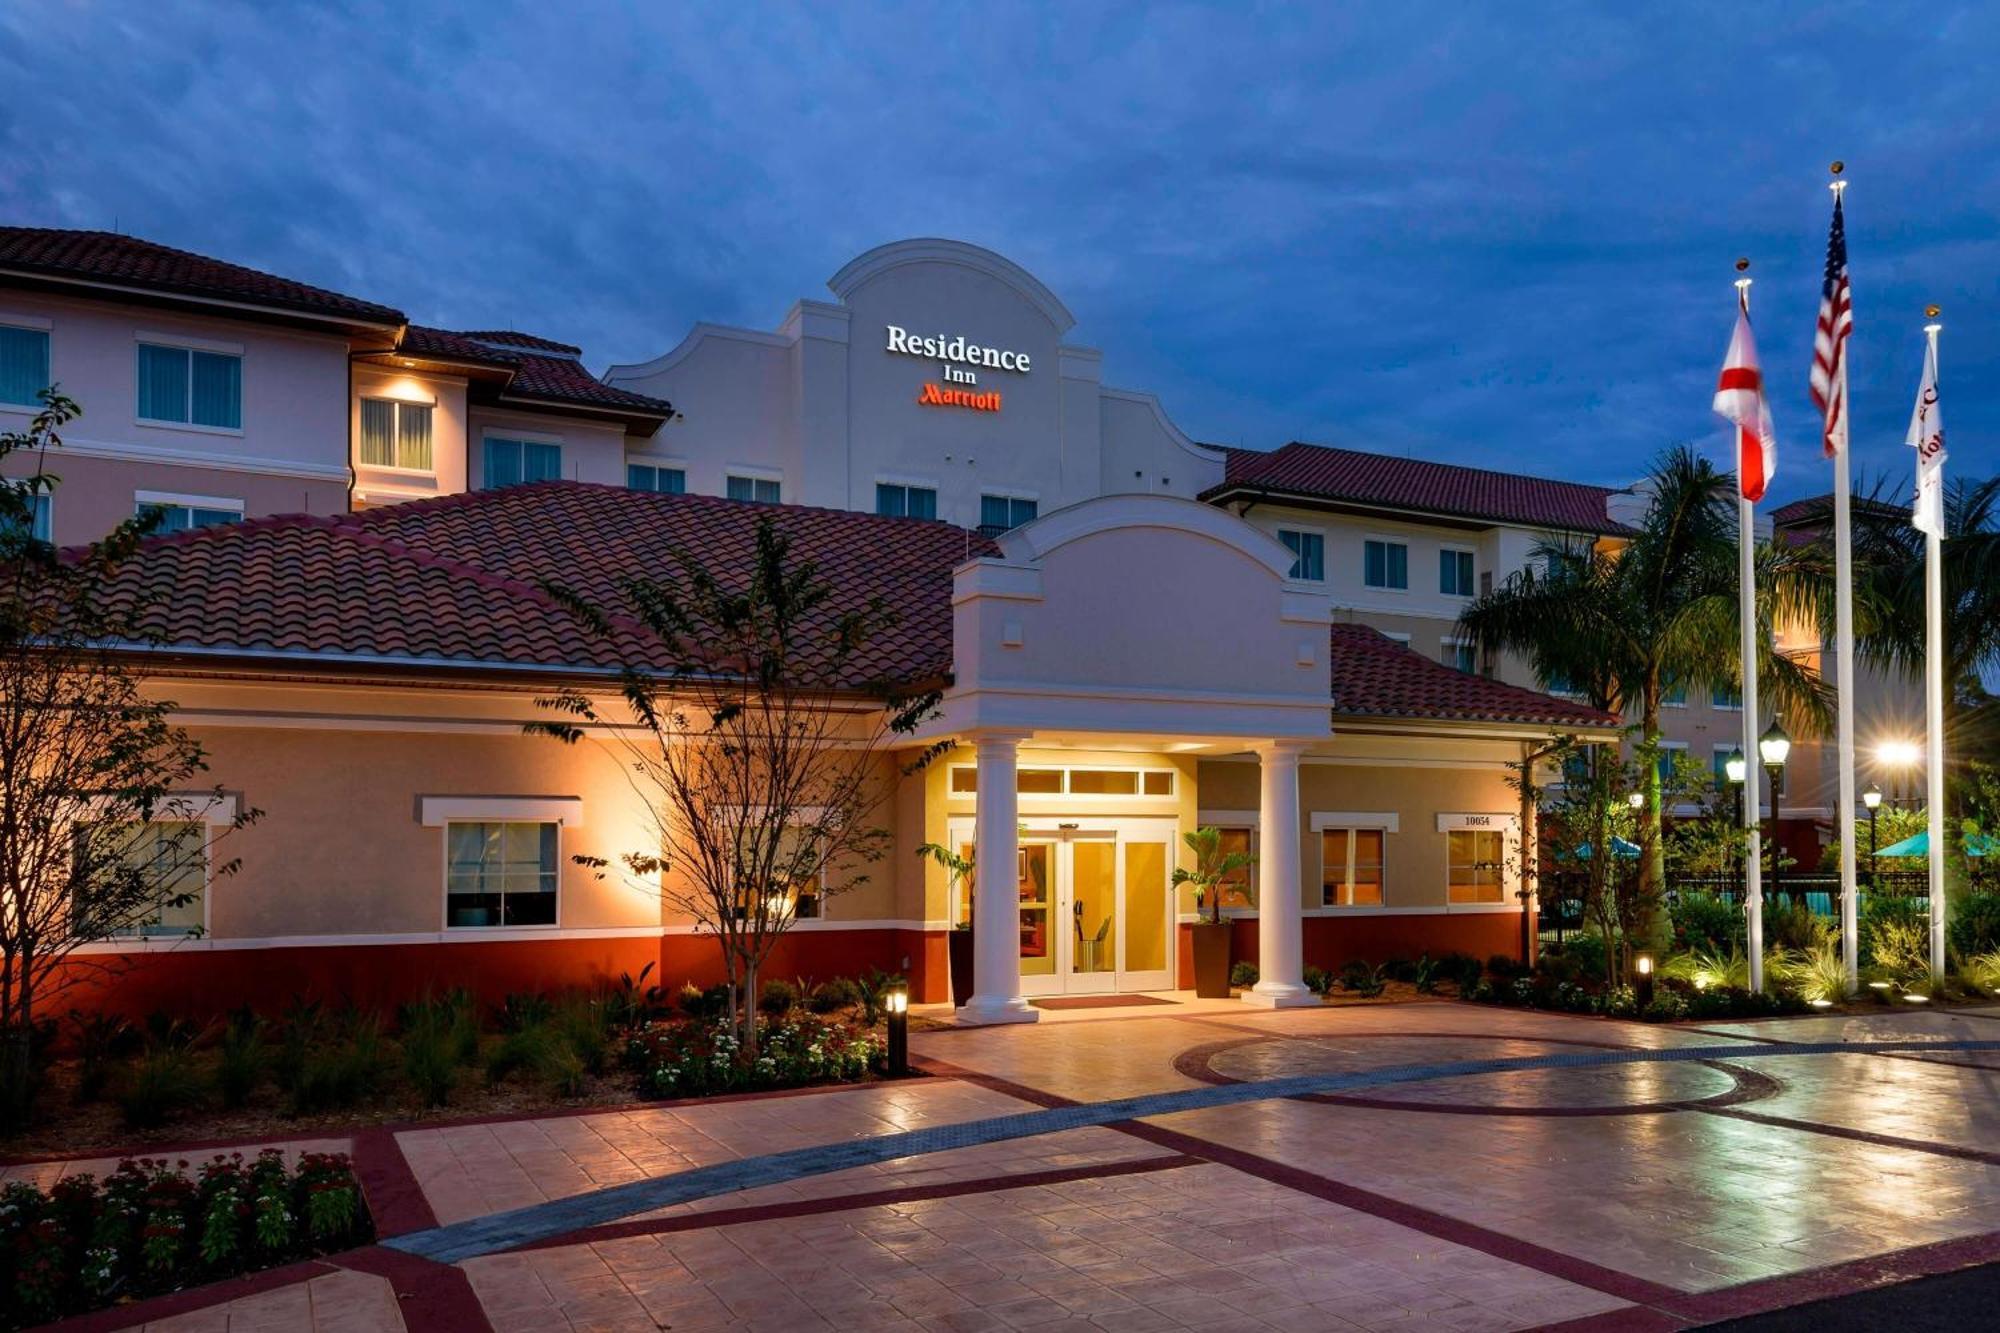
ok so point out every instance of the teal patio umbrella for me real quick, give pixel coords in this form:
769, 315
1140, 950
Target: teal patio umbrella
1919, 844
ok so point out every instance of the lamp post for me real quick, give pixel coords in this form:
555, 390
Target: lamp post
1872, 798
1774, 747
897, 1002
1735, 768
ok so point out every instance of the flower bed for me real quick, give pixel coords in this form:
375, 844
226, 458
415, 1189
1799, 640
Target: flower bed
1673, 999
149, 1227
699, 1057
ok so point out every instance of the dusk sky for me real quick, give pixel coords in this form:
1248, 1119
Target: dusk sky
1500, 235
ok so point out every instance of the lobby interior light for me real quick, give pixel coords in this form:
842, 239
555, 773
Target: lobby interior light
1872, 798
1775, 745
1734, 767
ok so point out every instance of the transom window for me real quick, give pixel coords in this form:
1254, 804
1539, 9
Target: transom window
172, 857
1308, 554
189, 387
894, 500
396, 434
763, 490
1074, 781
1385, 564
517, 462
1477, 865
179, 513
652, 477
1455, 576
1000, 513
24, 364
1350, 866
500, 873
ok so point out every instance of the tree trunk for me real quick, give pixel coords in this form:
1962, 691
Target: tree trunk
749, 1025
1652, 931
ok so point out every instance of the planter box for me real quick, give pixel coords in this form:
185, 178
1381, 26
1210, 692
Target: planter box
960, 944
1211, 959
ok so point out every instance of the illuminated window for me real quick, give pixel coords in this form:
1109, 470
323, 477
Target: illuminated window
760, 489
500, 873
396, 434
898, 501
1385, 565
1477, 865
1350, 866
24, 364
663, 480
964, 781
1237, 839
189, 387
1674, 693
517, 462
1308, 554
801, 876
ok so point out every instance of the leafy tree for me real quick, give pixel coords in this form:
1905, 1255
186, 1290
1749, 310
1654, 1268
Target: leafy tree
742, 726
102, 829
1623, 621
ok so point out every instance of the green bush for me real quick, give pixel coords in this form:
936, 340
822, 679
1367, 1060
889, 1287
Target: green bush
1883, 911
1666, 1006
1587, 951
1317, 979
1557, 967
1243, 974
584, 1024
1504, 966
1362, 979
305, 1027
240, 1057
1463, 971
161, 1085
1704, 923
1902, 950
1792, 927
777, 998
101, 1041
438, 1038
1424, 975
522, 1010
343, 1072
838, 993
1974, 925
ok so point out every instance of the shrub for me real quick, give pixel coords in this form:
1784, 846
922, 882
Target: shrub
240, 1057
1974, 927
1705, 971
1588, 952
1504, 966
1399, 969
438, 1038
1792, 927
101, 1041
585, 1024
1362, 979
1243, 974
1902, 950
522, 1010
1881, 911
161, 1085
1424, 975
1463, 971
1982, 972
1556, 967
777, 998
547, 1054
1666, 1006
1704, 923
874, 987
838, 993
1819, 973
1317, 979
630, 1001
1618, 1002
343, 1072
306, 1025
692, 1058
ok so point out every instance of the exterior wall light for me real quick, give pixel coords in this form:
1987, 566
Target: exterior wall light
897, 1002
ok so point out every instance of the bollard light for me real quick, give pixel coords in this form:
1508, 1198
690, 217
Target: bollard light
1642, 969
897, 1002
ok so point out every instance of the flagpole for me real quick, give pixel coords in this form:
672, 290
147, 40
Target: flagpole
1746, 597
1843, 635
1934, 700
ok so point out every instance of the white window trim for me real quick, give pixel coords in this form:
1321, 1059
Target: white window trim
387, 468
437, 811
1309, 530
492, 431
906, 479
1736, 707
1454, 641
444, 873
1457, 549
188, 341
752, 472
1400, 636
33, 324
187, 344
657, 460
1508, 826
205, 808
1389, 821
1009, 493
172, 499
1403, 542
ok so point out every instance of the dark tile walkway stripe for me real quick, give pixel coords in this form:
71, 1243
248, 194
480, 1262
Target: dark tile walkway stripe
523, 1226
1932, 1147
433, 1297
395, 1200
842, 1203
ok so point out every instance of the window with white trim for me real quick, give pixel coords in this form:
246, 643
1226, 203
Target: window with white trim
895, 500
1002, 513
1385, 564
190, 387
24, 364
1665, 762
1460, 654
170, 856
179, 513
518, 462
656, 477
763, 490
32, 507
1673, 693
396, 434
1455, 573
1350, 866
500, 873
1308, 554
1477, 865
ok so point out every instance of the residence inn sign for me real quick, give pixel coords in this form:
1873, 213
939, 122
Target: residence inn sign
937, 383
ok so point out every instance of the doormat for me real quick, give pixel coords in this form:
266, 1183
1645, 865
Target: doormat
1097, 1001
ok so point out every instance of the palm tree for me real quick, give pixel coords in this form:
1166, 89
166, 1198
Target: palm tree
1622, 621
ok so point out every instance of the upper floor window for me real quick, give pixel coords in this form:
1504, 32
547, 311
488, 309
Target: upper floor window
1455, 576
1459, 653
761, 489
500, 873
893, 500
190, 387
24, 364
178, 513
515, 462
1000, 513
1308, 554
396, 434
1385, 564
1721, 695
650, 477
1674, 693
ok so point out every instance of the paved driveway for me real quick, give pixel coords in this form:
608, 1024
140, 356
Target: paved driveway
1629, 1196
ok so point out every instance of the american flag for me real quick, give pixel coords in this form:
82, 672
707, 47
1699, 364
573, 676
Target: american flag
1836, 321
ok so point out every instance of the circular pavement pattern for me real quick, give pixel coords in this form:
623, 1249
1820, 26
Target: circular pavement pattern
1648, 1089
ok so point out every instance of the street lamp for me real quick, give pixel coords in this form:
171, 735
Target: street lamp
1774, 747
1872, 798
1736, 768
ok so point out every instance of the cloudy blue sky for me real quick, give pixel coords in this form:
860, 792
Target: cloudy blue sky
1498, 234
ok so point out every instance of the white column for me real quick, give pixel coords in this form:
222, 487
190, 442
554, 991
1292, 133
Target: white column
1280, 927
996, 902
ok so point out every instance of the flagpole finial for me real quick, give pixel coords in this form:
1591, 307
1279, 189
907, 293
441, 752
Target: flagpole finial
1931, 313
1838, 166
1838, 186
1743, 281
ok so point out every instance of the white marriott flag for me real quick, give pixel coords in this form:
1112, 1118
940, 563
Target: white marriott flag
1927, 438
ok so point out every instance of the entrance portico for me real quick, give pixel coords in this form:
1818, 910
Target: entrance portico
1209, 649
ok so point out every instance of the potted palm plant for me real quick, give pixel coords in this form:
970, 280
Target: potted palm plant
959, 940
1211, 876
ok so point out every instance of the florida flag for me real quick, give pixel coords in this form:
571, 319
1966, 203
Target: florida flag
1739, 399
1927, 438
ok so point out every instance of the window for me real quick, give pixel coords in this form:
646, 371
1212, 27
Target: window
184, 386
179, 513
1665, 763
1455, 578
1459, 654
1560, 683
893, 500
517, 462
761, 489
1385, 564
35, 508
1238, 884
1673, 693
1308, 554
1350, 867
998, 513
807, 887
24, 364
650, 477
500, 874
1725, 696
1477, 865
396, 434
171, 856
1074, 781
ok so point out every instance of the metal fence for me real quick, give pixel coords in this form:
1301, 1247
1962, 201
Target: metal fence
1562, 892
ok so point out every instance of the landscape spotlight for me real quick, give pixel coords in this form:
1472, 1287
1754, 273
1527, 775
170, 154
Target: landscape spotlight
897, 1002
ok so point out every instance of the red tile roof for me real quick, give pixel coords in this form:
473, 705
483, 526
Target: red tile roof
1817, 511
557, 377
1319, 472
127, 261
529, 341
1375, 676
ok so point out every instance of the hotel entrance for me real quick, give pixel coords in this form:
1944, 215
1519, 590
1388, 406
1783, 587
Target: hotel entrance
1096, 905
